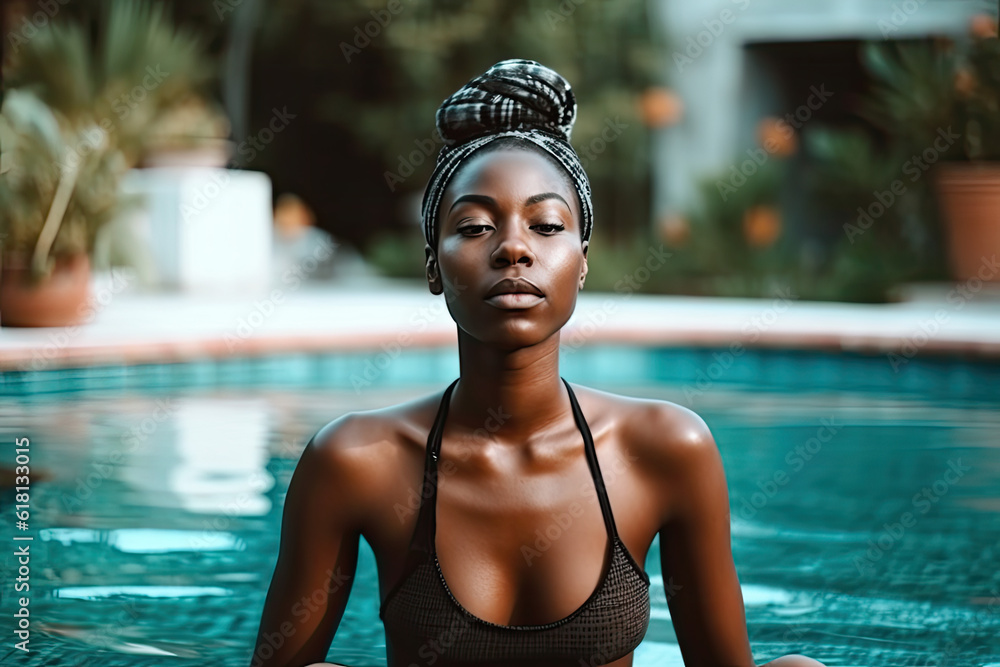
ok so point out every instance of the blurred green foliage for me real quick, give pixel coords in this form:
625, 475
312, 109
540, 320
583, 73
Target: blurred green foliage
927, 86
40, 150
384, 67
398, 254
746, 241
884, 206
872, 180
122, 69
738, 243
86, 97
879, 186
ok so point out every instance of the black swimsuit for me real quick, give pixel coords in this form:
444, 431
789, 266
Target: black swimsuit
426, 625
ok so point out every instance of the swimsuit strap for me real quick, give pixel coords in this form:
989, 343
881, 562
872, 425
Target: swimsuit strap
423, 537
426, 520
595, 468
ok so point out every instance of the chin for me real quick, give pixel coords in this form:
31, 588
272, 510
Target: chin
515, 333
511, 329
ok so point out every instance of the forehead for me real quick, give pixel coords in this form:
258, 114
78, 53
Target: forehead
509, 172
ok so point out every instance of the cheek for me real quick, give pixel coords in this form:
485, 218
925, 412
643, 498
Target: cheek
457, 272
457, 268
566, 264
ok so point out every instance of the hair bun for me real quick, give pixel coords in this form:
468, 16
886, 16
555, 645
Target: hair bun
511, 95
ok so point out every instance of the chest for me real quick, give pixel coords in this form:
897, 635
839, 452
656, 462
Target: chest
521, 549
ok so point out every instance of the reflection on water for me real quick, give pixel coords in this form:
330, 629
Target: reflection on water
205, 457
874, 541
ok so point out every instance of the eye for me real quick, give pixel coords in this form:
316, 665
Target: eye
550, 227
472, 230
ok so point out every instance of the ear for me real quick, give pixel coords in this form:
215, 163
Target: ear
433, 271
583, 274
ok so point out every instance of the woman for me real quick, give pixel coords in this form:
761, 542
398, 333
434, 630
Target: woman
510, 514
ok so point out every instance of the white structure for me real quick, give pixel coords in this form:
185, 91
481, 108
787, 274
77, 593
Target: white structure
206, 229
724, 90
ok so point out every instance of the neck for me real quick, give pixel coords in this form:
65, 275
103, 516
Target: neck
511, 396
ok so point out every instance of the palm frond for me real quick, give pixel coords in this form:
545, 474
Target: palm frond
57, 65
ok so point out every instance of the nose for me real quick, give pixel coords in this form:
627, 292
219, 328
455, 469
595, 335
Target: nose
512, 247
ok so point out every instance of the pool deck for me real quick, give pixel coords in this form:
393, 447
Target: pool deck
142, 327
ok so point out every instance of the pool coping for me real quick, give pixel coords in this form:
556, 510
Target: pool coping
137, 327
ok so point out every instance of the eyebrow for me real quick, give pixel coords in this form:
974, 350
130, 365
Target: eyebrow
535, 199
530, 201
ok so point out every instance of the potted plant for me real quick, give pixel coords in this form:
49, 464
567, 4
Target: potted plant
81, 111
939, 101
192, 132
141, 78
59, 187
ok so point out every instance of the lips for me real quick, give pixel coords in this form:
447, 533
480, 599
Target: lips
514, 286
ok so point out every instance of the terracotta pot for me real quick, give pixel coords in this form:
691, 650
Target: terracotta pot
58, 301
970, 201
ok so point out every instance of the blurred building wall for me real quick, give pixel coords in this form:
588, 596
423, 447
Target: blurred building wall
725, 92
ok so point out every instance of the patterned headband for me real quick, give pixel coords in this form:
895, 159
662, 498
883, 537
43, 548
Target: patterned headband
514, 98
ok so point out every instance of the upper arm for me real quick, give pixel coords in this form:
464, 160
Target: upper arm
703, 591
317, 558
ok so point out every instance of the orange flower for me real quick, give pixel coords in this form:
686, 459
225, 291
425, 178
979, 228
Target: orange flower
777, 137
983, 26
292, 215
660, 107
674, 229
761, 226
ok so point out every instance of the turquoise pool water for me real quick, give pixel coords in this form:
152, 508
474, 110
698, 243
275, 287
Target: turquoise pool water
865, 503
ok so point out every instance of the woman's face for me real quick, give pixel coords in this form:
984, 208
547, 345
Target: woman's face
509, 214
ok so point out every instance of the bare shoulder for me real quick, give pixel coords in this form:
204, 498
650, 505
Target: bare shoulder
671, 435
672, 445
659, 431
363, 449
